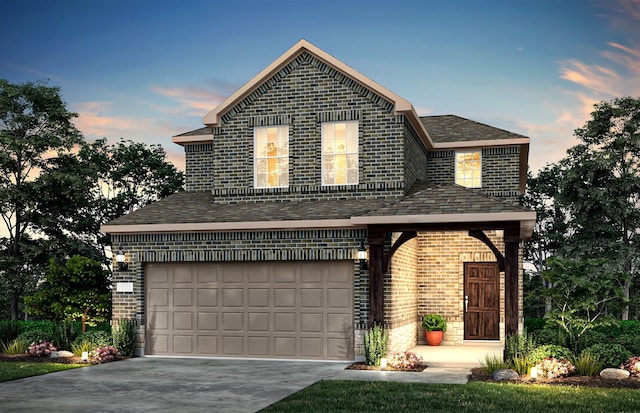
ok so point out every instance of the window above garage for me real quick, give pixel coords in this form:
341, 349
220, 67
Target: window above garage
340, 153
271, 157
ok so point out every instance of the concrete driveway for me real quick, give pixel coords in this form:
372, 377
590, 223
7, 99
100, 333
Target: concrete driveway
165, 385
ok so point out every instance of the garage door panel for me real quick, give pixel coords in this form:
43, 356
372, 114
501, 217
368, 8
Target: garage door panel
182, 320
251, 309
284, 297
207, 297
258, 322
207, 321
232, 321
208, 345
258, 297
232, 346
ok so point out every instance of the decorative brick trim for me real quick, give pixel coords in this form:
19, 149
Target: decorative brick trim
339, 115
270, 120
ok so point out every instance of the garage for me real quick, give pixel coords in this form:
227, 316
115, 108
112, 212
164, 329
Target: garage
301, 310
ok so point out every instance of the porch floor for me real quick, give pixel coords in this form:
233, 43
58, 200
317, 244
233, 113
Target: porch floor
468, 354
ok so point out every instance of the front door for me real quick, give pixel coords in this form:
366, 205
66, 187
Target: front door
481, 301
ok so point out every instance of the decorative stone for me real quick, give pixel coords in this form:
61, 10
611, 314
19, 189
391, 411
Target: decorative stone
614, 374
505, 375
61, 354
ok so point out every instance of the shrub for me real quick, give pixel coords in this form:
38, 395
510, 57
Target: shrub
65, 334
519, 346
16, 346
9, 331
124, 336
521, 365
41, 349
628, 341
375, 345
96, 338
550, 351
48, 327
492, 363
551, 367
551, 334
36, 336
78, 348
611, 355
103, 355
434, 322
587, 364
403, 360
534, 324
590, 338
632, 365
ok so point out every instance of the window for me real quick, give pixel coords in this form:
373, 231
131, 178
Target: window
340, 153
469, 169
271, 157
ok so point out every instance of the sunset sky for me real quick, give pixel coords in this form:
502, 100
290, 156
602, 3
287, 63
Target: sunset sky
148, 70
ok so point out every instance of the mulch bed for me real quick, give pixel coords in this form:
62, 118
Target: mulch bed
362, 366
478, 374
33, 359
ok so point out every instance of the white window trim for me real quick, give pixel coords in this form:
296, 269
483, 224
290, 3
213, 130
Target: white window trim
479, 151
255, 157
322, 154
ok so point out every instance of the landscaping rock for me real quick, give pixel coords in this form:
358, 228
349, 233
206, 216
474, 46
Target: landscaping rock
61, 354
505, 374
614, 374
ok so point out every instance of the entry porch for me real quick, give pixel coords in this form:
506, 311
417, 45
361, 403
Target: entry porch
467, 354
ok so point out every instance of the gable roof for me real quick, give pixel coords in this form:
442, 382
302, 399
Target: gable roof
447, 129
426, 203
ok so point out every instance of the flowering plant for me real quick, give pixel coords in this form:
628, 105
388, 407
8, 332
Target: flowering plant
41, 349
403, 360
103, 354
551, 367
632, 365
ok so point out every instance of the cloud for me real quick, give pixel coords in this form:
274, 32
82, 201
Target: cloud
191, 100
94, 120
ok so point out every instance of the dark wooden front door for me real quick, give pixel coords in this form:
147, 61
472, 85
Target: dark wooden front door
481, 301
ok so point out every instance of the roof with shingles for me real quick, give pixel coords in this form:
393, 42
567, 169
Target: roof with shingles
424, 199
198, 132
453, 128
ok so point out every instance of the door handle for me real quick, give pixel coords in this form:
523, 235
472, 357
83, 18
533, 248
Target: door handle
466, 303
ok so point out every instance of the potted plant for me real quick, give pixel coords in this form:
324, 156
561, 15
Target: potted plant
434, 326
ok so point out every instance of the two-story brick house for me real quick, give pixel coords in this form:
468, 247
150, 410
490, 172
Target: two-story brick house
303, 166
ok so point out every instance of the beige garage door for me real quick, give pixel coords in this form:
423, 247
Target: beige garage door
273, 310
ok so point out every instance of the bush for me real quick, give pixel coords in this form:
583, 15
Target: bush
41, 349
587, 364
492, 363
434, 322
36, 336
611, 355
552, 367
103, 355
96, 338
550, 351
521, 365
124, 336
534, 324
78, 348
375, 345
65, 334
16, 346
48, 327
630, 342
551, 335
590, 338
403, 360
632, 365
9, 331
519, 346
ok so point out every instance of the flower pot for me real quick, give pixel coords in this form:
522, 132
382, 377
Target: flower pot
434, 338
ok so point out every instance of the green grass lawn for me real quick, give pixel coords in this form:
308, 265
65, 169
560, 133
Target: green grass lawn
362, 396
14, 370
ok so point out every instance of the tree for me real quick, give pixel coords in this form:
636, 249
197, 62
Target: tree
35, 129
601, 189
550, 230
77, 290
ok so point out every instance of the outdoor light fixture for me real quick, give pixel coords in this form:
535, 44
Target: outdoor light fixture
120, 259
362, 256
533, 374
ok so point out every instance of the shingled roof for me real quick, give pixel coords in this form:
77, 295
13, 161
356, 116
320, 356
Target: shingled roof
452, 128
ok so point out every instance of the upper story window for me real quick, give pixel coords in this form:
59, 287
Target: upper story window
271, 157
469, 169
340, 153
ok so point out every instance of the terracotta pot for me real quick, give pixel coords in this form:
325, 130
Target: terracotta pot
434, 338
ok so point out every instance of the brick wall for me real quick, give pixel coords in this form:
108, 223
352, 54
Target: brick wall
302, 95
500, 170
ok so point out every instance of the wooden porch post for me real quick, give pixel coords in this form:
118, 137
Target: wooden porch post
376, 278
511, 276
